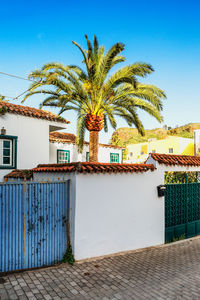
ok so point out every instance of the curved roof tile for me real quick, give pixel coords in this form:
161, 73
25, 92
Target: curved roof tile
88, 167
65, 137
179, 160
31, 112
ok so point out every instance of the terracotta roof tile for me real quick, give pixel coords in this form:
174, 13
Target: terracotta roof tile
24, 174
179, 160
62, 137
65, 137
31, 112
87, 167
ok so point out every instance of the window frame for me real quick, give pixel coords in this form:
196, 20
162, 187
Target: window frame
61, 150
87, 156
114, 162
13, 156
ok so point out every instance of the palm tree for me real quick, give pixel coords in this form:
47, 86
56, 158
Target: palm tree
96, 94
3, 109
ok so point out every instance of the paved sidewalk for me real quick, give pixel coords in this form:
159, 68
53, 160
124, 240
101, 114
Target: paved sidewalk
171, 272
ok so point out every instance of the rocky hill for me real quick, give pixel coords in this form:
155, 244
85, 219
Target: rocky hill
124, 136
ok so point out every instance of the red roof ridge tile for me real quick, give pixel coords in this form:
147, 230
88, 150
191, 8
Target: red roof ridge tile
31, 112
173, 159
66, 137
88, 167
24, 174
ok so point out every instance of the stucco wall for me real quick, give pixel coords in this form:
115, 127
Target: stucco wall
104, 152
117, 212
32, 142
178, 144
113, 212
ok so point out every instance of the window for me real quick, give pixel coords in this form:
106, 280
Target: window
63, 156
171, 150
114, 157
153, 151
8, 152
87, 156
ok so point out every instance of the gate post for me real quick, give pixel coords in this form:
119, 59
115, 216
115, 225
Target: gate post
68, 213
187, 209
24, 227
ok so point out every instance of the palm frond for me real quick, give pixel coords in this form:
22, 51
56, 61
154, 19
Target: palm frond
96, 90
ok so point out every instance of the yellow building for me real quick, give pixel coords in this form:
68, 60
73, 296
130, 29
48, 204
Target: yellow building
138, 153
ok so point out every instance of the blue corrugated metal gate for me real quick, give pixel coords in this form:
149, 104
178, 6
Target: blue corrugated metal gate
33, 224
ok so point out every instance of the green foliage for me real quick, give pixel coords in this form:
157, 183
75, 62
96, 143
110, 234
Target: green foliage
98, 90
2, 98
184, 134
69, 257
176, 239
186, 131
126, 136
3, 110
131, 135
181, 237
124, 154
180, 177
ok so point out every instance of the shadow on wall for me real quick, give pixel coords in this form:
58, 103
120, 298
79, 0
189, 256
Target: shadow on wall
189, 149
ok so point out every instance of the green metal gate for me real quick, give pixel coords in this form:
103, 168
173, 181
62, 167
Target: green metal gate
182, 211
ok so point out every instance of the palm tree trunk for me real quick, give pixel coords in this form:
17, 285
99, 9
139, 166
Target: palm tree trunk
94, 146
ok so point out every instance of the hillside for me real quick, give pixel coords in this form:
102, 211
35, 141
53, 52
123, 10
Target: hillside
124, 136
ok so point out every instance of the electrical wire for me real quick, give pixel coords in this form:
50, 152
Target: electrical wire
16, 76
15, 98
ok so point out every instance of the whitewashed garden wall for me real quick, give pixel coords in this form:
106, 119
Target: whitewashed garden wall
112, 213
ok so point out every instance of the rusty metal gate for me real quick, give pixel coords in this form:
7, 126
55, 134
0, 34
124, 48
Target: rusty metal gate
33, 224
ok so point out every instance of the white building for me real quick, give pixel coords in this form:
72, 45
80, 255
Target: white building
28, 138
63, 149
24, 136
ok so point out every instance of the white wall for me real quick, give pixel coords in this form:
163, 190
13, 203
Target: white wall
117, 212
104, 152
53, 147
32, 142
113, 212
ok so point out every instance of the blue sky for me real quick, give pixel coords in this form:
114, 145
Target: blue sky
163, 33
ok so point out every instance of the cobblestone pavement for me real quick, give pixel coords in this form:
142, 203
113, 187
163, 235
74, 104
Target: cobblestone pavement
170, 272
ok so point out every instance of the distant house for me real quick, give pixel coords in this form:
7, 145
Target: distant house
63, 149
138, 153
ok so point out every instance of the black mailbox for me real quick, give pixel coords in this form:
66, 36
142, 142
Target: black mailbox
161, 190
